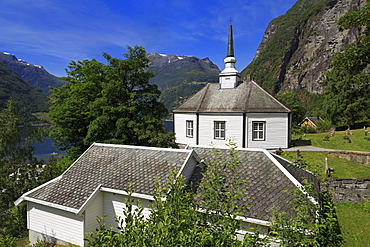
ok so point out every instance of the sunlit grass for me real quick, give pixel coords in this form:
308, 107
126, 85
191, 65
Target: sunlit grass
354, 221
342, 167
359, 141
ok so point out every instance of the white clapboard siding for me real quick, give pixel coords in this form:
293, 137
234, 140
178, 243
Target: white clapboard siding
94, 210
233, 129
56, 223
114, 205
180, 128
276, 133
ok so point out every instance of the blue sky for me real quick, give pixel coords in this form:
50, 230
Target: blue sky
54, 32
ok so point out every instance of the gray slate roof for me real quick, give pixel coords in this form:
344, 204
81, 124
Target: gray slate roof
247, 97
113, 167
266, 183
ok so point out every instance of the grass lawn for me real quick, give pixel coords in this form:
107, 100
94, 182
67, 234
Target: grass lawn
342, 167
354, 221
359, 142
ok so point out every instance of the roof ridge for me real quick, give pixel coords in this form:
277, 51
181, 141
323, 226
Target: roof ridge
202, 98
141, 147
245, 107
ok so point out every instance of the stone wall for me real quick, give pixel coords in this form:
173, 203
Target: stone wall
361, 158
349, 189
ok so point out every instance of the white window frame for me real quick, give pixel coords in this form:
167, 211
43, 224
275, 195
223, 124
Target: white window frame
189, 128
219, 130
259, 131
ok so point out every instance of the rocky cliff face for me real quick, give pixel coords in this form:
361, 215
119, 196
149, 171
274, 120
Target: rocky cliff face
312, 39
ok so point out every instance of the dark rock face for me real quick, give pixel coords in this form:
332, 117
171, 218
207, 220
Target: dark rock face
311, 48
35, 75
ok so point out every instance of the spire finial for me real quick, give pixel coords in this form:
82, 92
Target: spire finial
230, 21
230, 45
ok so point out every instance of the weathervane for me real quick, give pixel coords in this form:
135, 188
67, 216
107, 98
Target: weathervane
230, 20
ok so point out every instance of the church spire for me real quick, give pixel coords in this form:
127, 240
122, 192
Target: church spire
230, 43
229, 78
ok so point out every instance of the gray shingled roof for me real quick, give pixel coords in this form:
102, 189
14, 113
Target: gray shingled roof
266, 183
113, 167
247, 97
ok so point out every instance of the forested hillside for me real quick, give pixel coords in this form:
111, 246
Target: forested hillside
35, 75
13, 87
179, 77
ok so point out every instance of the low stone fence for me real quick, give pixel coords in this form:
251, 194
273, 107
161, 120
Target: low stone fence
358, 157
349, 189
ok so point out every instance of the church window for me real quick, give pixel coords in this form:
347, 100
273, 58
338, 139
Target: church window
189, 128
219, 127
258, 131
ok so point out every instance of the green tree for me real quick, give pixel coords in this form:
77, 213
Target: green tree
293, 101
18, 168
348, 82
180, 219
315, 222
111, 103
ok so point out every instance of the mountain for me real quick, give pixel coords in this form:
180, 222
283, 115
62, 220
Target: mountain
35, 75
297, 47
13, 87
179, 77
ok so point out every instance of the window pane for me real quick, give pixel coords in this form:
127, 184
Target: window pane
219, 129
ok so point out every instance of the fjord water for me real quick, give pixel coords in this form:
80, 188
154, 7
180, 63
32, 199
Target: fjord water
45, 148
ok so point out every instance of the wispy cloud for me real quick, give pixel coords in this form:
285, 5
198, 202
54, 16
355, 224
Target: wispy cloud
75, 30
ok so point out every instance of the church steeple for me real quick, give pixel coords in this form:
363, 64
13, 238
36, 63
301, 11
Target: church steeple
230, 43
229, 78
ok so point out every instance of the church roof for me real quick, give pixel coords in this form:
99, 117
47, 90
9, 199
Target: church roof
247, 97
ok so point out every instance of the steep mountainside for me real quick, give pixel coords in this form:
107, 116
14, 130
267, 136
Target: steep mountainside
35, 75
179, 77
13, 87
297, 47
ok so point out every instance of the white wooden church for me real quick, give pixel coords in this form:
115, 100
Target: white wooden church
233, 109
64, 209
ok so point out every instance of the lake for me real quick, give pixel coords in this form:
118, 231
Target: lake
44, 149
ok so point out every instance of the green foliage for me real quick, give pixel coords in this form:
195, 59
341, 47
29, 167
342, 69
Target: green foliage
18, 172
293, 101
177, 218
222, 189
315, 223
111, 103
347, 84
7, 240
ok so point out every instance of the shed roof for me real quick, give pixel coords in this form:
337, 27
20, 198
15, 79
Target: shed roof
116, 166
267, 181
247, 97
113, 167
